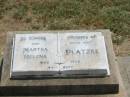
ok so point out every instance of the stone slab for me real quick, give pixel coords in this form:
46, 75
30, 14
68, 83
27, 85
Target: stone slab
60, 86
33, 53
85, 53
59, 55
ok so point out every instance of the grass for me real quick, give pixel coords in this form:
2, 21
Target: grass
20, 11
69, 14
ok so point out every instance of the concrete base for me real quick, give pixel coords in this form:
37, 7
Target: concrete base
60, 86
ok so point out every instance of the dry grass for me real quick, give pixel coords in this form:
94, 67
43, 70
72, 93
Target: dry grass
65, 14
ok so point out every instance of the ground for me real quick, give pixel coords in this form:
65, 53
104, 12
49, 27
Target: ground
68, 14
16, 15
124, 65
123, 49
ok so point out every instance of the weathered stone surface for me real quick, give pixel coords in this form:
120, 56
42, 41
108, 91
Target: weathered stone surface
59, 54
33, 54
84, 53
61, 86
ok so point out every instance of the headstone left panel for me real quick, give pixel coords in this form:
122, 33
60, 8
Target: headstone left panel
32, 55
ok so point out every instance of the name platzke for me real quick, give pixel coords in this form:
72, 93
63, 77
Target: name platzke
81, 51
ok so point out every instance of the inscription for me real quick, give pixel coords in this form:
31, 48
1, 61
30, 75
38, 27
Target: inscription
37, 38
67, 67
32, 38
75, 61
34, 50
81, 51
31, 56
81, 37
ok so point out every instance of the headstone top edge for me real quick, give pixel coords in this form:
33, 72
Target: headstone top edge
62, 31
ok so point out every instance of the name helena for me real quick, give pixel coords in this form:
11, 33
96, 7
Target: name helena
31, 56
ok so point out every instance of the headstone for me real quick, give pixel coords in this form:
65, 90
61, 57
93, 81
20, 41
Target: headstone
23, 54
59, 55
33, 54
84, 53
